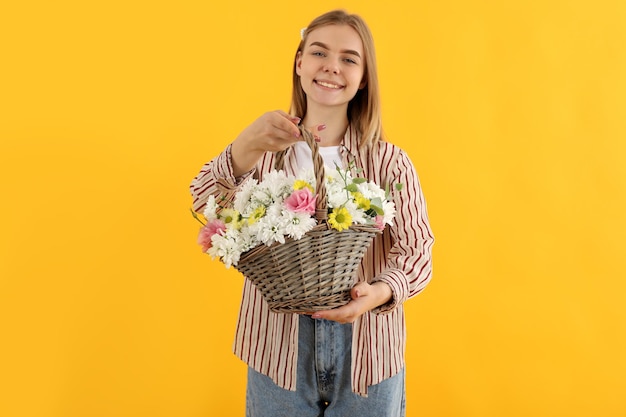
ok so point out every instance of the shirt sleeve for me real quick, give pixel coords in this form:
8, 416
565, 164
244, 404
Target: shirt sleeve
409, 263
216, 178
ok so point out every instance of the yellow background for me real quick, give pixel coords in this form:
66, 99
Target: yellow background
514, 113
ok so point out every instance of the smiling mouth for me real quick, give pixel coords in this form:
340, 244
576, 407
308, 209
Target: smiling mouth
328, 85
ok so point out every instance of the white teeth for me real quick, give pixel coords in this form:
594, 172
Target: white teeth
327, 85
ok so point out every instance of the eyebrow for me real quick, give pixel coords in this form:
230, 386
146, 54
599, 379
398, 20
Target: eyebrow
345, 51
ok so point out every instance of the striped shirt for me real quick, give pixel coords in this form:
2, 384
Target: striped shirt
400, 256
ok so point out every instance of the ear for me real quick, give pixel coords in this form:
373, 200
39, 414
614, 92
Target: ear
299, 62
363, 83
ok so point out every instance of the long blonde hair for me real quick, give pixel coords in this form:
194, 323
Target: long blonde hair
364, 112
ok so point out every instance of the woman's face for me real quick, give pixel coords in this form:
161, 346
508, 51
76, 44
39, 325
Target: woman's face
331, 66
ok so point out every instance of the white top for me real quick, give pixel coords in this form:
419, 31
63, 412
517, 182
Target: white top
330, 154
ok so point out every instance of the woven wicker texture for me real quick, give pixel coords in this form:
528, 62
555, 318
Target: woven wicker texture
316, 272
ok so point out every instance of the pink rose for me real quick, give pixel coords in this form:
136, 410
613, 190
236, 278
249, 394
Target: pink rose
301, 201
213, 227
380, 222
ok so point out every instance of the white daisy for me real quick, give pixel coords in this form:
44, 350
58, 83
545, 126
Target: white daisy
389, 210
298, 224
225, 248
271, 229
243, 196
336, 196
210, 210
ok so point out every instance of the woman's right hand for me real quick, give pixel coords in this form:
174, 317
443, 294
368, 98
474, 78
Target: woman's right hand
272, 132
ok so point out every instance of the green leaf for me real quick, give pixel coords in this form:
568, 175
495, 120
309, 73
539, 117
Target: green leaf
377, 204
359, 180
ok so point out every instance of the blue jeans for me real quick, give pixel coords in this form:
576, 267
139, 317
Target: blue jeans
323, 387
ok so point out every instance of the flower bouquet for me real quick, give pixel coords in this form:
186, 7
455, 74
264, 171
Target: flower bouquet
298, 238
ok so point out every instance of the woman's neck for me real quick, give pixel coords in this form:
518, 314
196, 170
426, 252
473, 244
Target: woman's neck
335, 120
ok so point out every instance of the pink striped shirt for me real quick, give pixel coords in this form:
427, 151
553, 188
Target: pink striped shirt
401, 257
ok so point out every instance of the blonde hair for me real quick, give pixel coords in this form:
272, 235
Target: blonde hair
364, 112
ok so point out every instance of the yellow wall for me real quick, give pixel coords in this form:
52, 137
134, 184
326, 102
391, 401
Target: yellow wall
513, 111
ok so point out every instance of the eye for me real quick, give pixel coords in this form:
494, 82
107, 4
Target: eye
350, 60
318, 53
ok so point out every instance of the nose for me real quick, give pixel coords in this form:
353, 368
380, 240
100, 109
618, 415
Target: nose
331, 66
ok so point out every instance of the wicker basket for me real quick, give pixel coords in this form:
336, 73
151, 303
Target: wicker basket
315, 272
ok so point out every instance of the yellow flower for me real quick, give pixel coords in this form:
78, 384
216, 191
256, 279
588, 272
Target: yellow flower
231, 217
256, 215
361, 201
340, 218
300, 184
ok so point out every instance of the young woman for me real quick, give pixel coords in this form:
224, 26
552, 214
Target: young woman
348, 360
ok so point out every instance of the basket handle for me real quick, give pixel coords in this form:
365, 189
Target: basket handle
321, 209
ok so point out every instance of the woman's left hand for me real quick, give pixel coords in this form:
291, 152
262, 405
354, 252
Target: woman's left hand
365, 297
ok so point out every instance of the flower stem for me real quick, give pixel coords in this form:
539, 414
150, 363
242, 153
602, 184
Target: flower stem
195, 216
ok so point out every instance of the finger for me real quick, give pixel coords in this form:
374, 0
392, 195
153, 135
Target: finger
359, 290
326, 315
343, 314
318, 128
355, 293
333, 314
294, 119
287, 125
